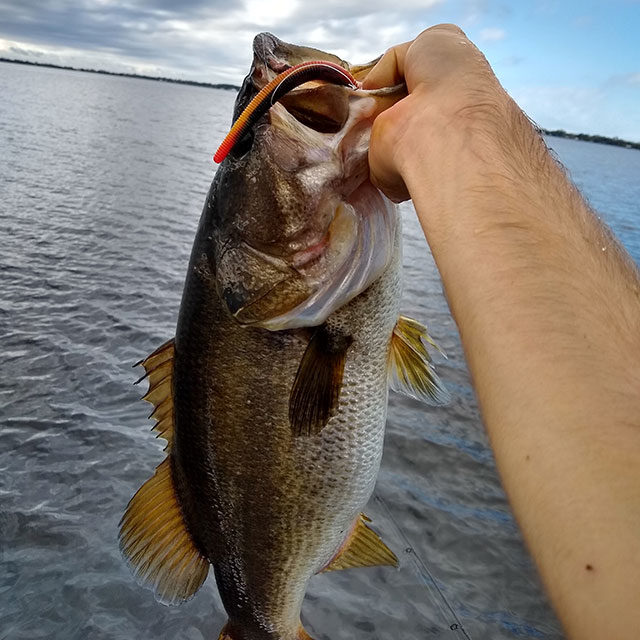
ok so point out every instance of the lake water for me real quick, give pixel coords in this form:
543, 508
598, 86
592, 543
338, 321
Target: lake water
102, 183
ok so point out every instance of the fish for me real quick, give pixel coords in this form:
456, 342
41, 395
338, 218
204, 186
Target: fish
272, 396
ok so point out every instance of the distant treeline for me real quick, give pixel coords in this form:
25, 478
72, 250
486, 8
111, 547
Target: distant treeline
560, 133
230, 87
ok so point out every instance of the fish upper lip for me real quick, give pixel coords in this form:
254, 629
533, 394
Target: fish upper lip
264, 45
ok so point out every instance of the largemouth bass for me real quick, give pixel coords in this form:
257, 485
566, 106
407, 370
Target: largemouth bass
273, 395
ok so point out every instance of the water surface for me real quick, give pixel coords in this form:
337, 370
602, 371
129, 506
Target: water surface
103, 182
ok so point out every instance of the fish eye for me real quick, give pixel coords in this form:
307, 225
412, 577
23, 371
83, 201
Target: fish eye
243, 145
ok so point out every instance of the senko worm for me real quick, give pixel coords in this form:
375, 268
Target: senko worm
281, 85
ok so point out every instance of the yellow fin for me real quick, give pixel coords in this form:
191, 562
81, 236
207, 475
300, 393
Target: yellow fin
302, 634
410, 368
316, 389
156, 543
362, 548
159, 373
153, 536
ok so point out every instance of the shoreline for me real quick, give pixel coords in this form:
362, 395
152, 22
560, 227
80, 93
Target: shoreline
587, 137
194, 83
557, 133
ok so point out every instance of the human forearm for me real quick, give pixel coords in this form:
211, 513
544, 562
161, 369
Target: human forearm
548, 307
549, 314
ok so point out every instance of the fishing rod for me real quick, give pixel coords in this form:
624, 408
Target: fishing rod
420, 566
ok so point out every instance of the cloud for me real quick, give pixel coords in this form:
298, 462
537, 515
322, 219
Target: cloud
210, 40
511, 61
206, 40
632, 78
618, 80
491, 34
24, 53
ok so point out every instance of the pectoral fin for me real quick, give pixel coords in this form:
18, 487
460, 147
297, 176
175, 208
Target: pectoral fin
316, 389
410, 368
153, 537
362, 548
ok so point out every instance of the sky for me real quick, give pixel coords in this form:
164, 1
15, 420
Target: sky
571, 64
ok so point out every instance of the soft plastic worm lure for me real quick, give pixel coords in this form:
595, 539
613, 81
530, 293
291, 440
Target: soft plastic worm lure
278, 87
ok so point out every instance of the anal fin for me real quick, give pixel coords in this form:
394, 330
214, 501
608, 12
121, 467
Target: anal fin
410, 369
362, 548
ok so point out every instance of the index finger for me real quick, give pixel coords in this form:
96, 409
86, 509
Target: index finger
389, 71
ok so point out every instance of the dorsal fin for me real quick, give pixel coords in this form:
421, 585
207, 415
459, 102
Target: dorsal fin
362, 548
159, 372
316, 389
153, 535
410, 368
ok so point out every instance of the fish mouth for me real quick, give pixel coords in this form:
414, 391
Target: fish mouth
330, 233
278, 56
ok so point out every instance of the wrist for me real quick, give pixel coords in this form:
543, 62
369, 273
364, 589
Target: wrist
471, 163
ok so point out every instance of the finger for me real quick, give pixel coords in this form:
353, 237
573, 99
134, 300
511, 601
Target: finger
439, 53
383, 171
446, 26
389, 70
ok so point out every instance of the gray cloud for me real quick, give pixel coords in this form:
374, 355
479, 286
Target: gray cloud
202, 39
143, 30
127, 28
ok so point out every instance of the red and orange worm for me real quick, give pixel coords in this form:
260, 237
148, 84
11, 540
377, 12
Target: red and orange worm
278, 87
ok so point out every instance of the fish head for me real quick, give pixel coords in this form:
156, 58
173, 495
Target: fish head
298, 229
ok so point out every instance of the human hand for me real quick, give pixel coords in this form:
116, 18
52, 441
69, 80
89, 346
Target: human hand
451, 89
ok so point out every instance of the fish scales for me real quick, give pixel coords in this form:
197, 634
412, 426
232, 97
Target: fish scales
282, 505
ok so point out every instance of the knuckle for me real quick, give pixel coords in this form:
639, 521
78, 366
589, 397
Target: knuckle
447, 26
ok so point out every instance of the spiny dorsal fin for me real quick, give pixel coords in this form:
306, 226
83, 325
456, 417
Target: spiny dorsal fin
159, 372
153, 536
316, 389
156, 543
410, 368
362, 548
